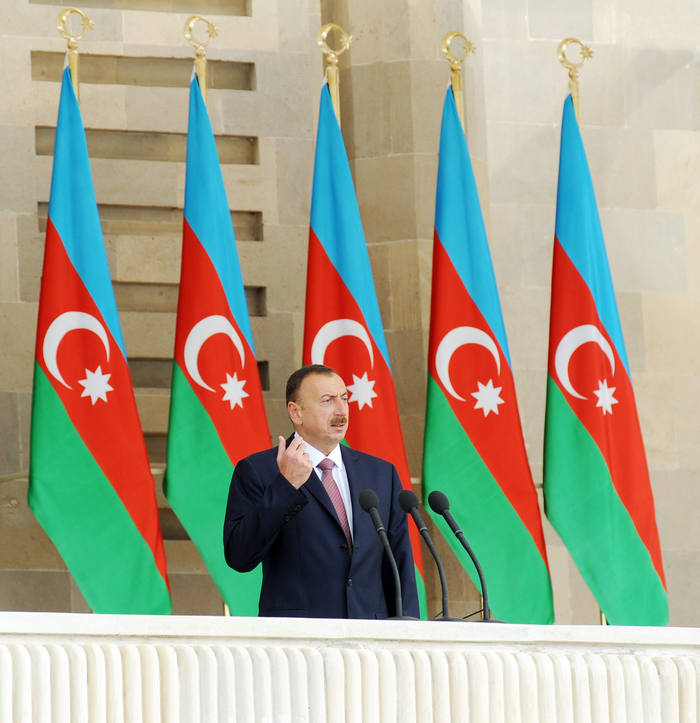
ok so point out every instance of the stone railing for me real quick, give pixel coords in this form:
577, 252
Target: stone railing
61, 667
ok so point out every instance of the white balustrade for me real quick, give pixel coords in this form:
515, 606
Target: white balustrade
129, 669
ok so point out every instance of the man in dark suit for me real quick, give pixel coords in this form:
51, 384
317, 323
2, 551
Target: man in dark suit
295, 509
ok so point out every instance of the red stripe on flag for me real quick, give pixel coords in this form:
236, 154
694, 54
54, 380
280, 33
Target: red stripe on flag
617, 433
374, 429
107, 428
242, 428
497, 437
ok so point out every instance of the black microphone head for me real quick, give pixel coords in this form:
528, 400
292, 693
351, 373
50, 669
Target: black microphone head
438, 502
408, 499
368, 499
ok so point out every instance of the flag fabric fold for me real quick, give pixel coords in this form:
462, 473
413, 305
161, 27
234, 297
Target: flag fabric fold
343, 327
474, 448
596, 481
217, 414
90, 482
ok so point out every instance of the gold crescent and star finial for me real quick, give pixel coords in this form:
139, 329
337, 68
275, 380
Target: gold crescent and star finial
573, 68
86, 24
212, 32
62, 26
332, 60
445, 46
322, 40
199, 46
456, 66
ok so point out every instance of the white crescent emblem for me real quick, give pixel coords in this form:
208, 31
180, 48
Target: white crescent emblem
201, 331
335, 330
460, 336
60, 326
570, 342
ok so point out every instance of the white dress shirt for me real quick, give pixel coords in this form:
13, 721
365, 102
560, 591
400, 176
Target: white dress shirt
339, 475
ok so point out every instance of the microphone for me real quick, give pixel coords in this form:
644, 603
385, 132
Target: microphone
440, 505
409, 504
369, 503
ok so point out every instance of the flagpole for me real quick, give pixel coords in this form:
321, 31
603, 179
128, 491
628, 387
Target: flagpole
72, 38
200, 62
573, 69
456, 66
332, 61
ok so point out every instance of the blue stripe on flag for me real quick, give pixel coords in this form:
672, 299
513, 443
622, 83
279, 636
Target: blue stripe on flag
207, 210
578, 227
335, 219
460, 225
73, 208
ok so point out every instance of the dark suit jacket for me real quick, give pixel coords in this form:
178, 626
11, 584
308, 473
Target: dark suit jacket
307, 569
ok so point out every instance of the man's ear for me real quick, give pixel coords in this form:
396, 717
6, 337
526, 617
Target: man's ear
294, 410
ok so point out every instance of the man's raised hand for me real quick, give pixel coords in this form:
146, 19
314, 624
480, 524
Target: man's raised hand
293, 461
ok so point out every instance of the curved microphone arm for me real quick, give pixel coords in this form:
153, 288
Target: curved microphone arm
369, 502
440, 505
408, 500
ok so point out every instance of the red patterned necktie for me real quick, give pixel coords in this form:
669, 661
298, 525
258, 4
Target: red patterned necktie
334, 493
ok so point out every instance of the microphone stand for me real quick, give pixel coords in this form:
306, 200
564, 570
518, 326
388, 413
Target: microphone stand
408, 500
369, 503
484, 594
440, 505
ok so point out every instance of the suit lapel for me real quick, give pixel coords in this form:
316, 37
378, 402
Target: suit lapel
313, 487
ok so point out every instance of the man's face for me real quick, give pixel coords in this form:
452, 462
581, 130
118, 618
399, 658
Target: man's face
320, 416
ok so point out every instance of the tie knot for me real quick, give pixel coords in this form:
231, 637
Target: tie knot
326, 464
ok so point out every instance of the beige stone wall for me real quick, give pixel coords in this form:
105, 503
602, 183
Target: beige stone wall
640, 128
639, 123
135, 72
640, 118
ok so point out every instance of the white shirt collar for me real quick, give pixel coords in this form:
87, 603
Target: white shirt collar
316, 456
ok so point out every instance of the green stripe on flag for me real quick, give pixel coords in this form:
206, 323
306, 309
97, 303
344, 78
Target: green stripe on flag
584, 507
84, 517
518, 586
422, 596
196, 484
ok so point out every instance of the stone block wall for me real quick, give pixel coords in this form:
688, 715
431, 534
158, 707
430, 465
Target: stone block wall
640, 129
265, 75
640, 119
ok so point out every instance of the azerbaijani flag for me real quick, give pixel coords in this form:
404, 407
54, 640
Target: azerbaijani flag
90, 482
343, 328
474, 448
596, 482
217, 415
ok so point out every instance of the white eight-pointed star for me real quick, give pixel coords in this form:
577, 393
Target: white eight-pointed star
605, 396
234, 390
96, 386
487, 398
362, 390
